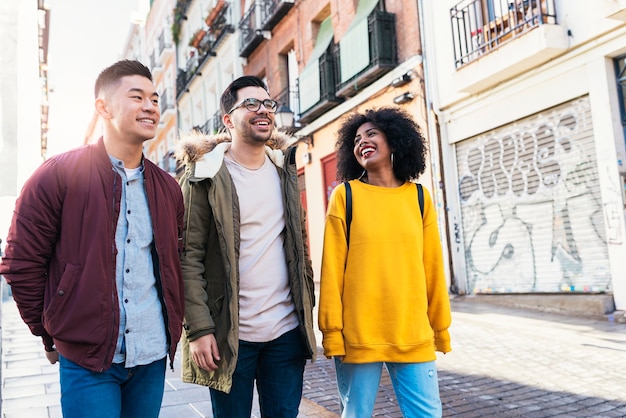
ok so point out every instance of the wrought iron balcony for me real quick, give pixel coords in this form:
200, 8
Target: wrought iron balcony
182, 79
155, 64
165, 44
251, 32
218, 123
212, 125
168, 163
477, 29
206, 42
327, 88
220, 24
166, 101
273, 11
382, 44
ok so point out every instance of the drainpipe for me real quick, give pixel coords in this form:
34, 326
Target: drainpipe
436, 160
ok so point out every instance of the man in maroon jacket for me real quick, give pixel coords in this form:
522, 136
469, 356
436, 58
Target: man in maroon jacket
92, 257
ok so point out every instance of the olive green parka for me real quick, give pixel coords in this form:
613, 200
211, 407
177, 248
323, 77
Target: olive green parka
211, 251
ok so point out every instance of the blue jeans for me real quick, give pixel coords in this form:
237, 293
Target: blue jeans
415, 385
277, 366
117, 392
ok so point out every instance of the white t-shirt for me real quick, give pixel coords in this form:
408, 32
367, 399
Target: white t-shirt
266, 310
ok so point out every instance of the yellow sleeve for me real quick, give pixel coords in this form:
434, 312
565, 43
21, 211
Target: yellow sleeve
439, 312
335, 250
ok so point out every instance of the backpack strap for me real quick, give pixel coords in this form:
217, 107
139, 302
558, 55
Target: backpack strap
348, 209
420, 197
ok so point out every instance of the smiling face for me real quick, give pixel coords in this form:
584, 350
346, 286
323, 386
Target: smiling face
371, 148
252, 127
132, 108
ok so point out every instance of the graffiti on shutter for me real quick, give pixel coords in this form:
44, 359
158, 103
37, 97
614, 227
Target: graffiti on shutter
531, 207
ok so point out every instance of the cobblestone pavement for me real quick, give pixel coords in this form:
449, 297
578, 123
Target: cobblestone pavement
514, 363
505, 363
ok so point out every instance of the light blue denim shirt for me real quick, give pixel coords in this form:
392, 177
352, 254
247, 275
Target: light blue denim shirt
142, 336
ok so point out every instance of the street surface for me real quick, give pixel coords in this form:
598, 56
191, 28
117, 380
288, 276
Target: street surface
505, 363
515, 363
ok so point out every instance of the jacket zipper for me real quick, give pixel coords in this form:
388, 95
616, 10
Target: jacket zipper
113, 293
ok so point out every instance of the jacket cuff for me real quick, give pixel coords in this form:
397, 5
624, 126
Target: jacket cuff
192, 336
48, 343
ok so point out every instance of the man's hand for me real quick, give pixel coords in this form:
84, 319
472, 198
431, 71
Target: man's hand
52, 356
204, 352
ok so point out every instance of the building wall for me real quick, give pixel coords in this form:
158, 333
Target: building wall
199, 103
561, 230
159, 55
20, 102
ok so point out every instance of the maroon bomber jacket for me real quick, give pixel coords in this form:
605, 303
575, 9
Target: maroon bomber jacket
60, 253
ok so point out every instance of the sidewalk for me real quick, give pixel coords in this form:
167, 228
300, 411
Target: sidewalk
505, 363
30, 385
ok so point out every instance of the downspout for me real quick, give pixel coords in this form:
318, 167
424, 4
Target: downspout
436, 161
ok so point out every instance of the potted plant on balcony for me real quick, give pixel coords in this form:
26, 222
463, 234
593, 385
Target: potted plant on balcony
197, 37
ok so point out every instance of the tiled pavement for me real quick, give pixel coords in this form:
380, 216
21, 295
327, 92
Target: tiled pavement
30, 385
504, 363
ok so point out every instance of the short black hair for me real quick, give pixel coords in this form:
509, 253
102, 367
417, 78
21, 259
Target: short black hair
111, 75
403, 135
229, 97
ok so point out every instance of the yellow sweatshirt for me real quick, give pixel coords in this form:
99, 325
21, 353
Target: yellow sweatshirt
385, 298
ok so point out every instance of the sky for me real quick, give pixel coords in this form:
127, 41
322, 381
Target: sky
85, 37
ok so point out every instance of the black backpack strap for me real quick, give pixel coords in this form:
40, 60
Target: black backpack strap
348, 209
420, 197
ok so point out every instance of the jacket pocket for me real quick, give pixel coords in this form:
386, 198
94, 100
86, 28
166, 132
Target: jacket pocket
61, 297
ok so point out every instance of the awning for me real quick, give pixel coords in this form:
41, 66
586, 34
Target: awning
309, 80
354, 46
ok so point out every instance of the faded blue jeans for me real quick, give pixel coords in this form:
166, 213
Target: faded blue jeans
415, 385
136, 392
278, 368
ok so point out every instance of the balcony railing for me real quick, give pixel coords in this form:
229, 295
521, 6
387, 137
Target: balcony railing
168, 163
212, 125
218, 123
166, 101
155, 64
273, 11
283, 98
220, 24
382, 44
327, 88
251, 32
184, 76
478, 29
181, 82
165, 43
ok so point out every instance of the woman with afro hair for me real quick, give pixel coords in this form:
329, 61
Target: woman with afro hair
383, 293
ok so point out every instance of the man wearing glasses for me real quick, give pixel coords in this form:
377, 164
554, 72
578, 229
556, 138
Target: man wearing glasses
246, 267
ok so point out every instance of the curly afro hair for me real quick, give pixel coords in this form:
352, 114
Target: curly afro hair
403, 135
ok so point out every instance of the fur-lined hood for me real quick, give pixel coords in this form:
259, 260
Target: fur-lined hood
204, 153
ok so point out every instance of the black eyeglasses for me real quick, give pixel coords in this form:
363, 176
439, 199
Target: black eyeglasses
253, 105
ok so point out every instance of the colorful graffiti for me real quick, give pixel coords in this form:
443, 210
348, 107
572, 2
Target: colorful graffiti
531, 208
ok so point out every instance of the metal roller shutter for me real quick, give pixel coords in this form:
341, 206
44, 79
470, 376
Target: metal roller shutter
531, 206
